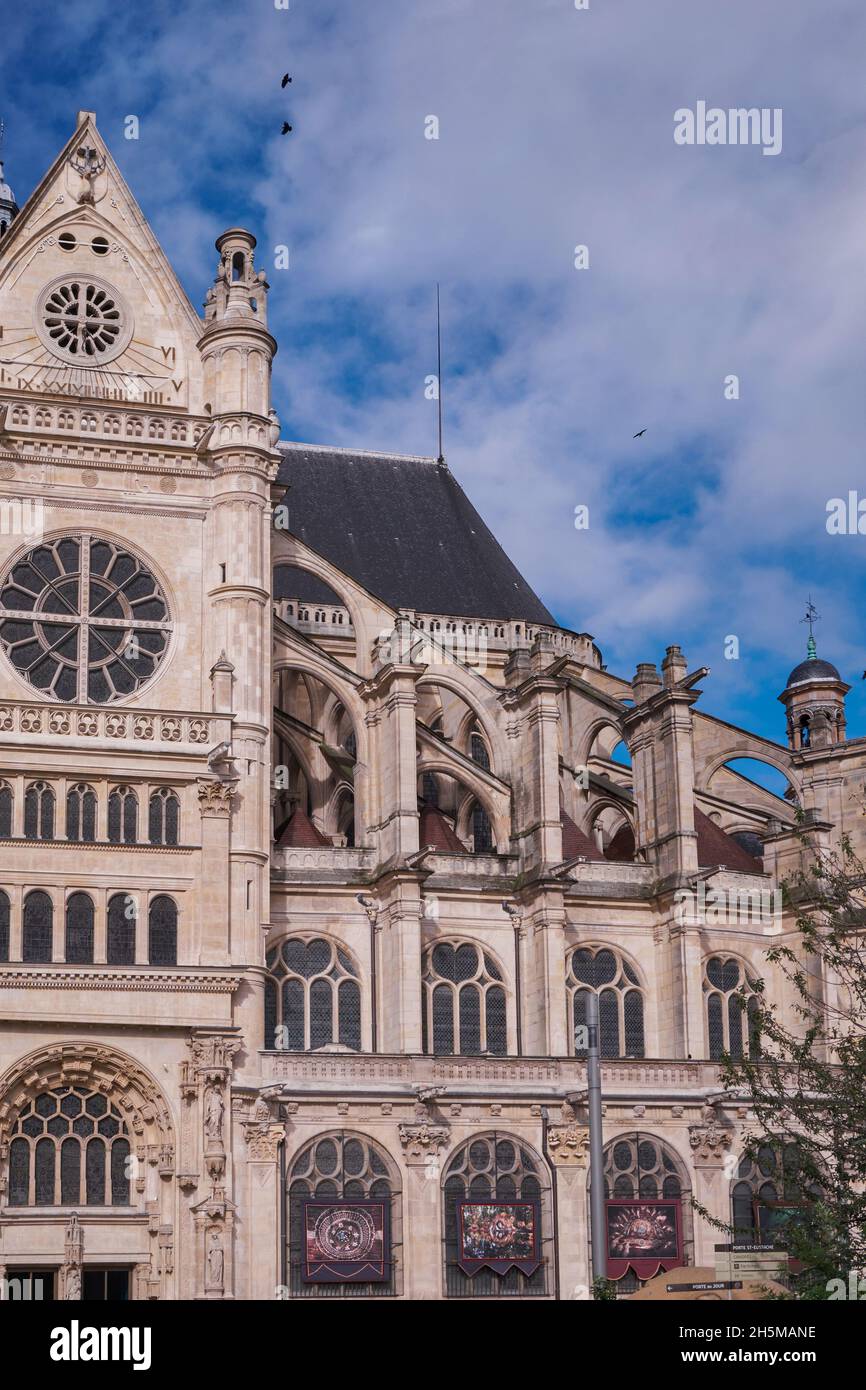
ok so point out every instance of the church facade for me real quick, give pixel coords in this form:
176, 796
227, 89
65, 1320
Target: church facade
317, 832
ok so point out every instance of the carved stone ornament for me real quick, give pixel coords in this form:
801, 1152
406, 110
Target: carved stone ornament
421, 1140
709, 1142
568, 1144
263, 1142
215, 798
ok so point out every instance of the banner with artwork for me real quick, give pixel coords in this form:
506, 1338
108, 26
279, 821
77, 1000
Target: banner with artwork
643, 1235
500, 1235
346, 1242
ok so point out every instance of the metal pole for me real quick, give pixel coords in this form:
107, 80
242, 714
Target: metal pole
596, 1143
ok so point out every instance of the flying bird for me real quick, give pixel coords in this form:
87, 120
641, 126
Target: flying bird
286, 79
639, 433
286, 128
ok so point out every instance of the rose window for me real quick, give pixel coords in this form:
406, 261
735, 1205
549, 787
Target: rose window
83, 620
83, 320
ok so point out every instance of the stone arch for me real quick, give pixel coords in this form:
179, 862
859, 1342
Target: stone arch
464, 684
632, 1180
368, 616
596, 727
497, 806
135, 1092
779, 761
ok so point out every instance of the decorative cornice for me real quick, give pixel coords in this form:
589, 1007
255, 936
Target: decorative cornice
60, 977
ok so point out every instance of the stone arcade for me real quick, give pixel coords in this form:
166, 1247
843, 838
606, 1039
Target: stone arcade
296, 902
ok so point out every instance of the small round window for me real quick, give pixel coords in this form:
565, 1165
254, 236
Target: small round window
83, 620
66, 241
99, 246
83, 320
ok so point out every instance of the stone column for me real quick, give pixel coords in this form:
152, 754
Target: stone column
713, 1161
424, 1141
262, 1214
568, 1143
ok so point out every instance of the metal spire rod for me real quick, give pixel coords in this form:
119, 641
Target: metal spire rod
441, 458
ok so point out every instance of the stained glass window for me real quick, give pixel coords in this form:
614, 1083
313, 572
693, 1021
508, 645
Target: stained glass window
163, 817
464, 1007
58, 1152
5, 811
79, 930
314, 998
605, 972
38, 922
731, 1009
83, 620
122, 919
123, 816
39, 812
491, 1166
162, 931
342, 1166
4, 926
81, 814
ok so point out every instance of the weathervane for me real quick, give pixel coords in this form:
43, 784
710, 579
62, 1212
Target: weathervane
812, 616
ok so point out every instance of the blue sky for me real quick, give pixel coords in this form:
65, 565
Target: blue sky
555, 129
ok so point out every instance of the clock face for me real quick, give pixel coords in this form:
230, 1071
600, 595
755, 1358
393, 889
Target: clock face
83, 620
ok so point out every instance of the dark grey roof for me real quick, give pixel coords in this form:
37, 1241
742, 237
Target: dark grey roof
290, 582
405, 530
813, 669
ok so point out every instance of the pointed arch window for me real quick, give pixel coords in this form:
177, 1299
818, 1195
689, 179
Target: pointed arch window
163, 817
312, 997
5, 811
766, 1192
487, 1167
39, 812
464, 1002
120, 938
37, 928
482, 834
79, 929
123, 816
4, 925
602, 971
731, 1003
478, 751
344, 1166
162, 931
70, 1147
81, 813
639, 1165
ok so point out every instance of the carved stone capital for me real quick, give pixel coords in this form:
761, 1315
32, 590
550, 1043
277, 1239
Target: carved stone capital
215, 798
420, 1141
709, 1143
568, 1145
263, 1142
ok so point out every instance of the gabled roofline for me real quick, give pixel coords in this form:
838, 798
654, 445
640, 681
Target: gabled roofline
355, 453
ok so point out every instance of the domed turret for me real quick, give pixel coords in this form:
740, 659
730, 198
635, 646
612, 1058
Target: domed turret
814, 697
8, 205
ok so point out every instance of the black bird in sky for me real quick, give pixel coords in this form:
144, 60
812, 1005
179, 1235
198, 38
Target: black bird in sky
639, 433
286, 128
286, 79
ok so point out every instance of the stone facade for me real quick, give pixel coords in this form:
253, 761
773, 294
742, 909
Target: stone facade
260, 778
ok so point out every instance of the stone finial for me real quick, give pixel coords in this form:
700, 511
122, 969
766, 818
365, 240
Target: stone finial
646, 683
674, 667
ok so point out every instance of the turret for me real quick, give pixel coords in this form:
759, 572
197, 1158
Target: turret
8, 205
814, 698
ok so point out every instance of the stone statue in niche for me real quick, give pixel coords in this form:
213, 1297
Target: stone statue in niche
213, 1115
215, 1262
73, 1283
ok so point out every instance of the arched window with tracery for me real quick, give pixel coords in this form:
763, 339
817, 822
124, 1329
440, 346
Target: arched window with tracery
120, 933
464, 1001
162, 931
478, 751
5, 811
602, 971
36, 943
641, 1166
39, 812
765, 1193
163, 817
122, 816
69, 1147
482, 832
4, 925
346, 1167
312, 996
731, 1005
485, 1168
79, 929
81, 814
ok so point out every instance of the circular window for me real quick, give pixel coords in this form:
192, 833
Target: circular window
83, 620
83, 320
66, 241
99, 246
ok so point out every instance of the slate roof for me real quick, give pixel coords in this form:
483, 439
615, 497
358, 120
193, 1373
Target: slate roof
716, 846
405, 530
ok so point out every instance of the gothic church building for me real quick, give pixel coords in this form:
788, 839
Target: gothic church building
317, 831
